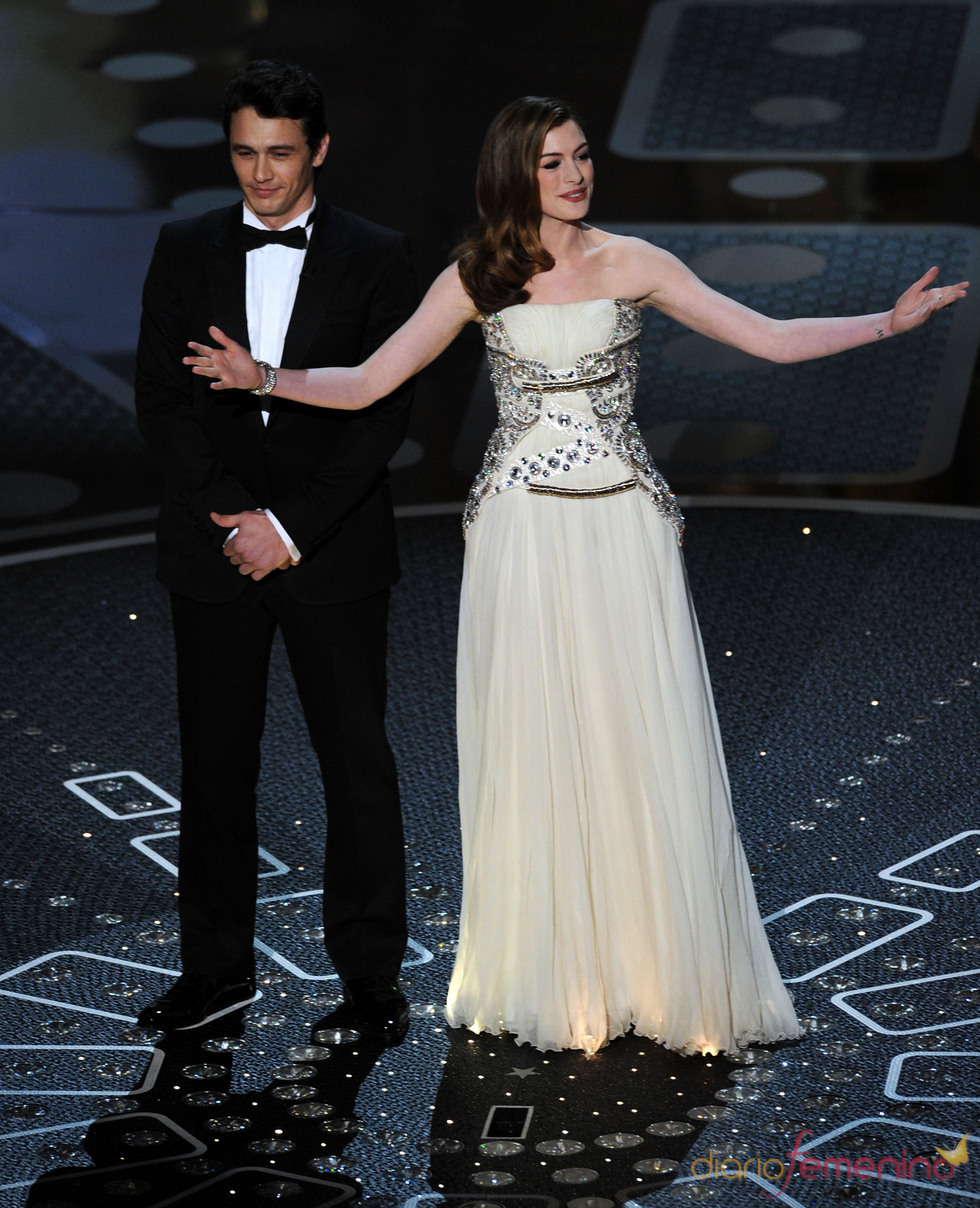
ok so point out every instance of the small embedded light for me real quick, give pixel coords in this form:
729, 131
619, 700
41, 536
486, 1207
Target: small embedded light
86, 834
874, 702
132, 616
762, 752
806, 531
728, 654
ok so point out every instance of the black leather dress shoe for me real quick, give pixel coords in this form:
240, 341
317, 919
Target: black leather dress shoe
377, 1008
195, 999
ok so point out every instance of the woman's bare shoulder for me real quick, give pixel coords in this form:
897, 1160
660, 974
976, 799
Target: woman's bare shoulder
639, 268
626, 247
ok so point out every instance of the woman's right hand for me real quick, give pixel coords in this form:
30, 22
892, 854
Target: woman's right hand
231, 366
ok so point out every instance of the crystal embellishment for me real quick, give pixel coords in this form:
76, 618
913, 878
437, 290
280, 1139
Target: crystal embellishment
561, 1147
669, 1128
523, 387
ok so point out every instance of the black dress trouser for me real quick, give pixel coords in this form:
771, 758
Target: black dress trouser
337, 654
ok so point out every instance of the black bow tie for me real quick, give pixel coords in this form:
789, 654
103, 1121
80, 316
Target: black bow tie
254, 237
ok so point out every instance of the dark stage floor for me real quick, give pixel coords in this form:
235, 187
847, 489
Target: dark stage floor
844, 650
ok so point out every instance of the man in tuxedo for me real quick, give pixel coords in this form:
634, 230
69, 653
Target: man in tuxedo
278, 516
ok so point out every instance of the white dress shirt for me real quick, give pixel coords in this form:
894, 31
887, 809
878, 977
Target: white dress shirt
271, 281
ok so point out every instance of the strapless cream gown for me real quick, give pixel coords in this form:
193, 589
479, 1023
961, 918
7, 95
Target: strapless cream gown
605, 886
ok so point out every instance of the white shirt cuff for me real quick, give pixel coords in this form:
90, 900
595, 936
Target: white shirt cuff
286, 539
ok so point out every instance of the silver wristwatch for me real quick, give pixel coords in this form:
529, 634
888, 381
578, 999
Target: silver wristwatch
269, 384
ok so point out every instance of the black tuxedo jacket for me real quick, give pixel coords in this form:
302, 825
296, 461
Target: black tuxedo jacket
323, 473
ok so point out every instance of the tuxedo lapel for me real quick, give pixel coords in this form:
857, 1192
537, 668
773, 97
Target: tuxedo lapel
226, 278
225, 258
319, 283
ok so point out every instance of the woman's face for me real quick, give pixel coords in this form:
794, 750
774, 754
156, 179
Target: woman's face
565, 174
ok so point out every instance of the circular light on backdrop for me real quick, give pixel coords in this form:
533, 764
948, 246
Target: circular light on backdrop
777, 184
112, 8
824, 40
23, 494
181, 132
148, 67
758, 264
199, 201
797, 111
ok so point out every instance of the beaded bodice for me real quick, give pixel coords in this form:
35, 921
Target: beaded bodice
579, 415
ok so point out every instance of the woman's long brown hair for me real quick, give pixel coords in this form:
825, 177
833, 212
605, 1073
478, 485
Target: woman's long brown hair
496, 263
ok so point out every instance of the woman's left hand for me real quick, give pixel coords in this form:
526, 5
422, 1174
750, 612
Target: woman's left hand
919, 301
232, 366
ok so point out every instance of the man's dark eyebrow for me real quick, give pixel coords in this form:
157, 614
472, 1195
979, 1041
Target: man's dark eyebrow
274, 147
551, 154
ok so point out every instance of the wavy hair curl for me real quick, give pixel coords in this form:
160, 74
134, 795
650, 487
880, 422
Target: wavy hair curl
505, 250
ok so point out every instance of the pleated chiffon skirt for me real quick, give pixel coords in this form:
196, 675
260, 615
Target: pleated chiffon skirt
605, 886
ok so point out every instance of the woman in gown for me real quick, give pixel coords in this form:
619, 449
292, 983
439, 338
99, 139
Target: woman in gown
604, 883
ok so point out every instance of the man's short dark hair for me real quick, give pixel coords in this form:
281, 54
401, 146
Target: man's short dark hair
274, 90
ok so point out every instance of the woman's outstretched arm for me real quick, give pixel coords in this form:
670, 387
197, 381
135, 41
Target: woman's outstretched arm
440, 316
663, 281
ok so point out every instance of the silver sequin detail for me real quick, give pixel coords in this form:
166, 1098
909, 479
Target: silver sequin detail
608, 378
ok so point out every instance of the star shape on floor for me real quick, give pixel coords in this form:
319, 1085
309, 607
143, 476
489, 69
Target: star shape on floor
522, 1074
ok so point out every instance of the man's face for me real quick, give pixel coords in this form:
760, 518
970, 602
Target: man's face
274, 165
